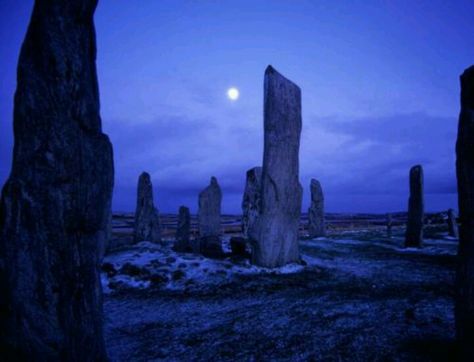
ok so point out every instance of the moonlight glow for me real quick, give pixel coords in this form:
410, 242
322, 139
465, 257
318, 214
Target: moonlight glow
233, 94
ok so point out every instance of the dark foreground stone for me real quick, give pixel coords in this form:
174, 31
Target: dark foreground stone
465, 179
55, 205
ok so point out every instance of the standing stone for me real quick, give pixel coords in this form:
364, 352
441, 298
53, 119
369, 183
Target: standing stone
251, 199
275, 232
464, 307
56, 202
209, 217
183, 229
316, 224
453, 224
389, 225
414, 232
147, 218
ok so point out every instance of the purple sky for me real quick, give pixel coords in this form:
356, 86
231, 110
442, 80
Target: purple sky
379, 82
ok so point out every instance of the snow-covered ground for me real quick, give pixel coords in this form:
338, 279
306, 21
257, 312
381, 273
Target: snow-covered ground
147, 265
357, 297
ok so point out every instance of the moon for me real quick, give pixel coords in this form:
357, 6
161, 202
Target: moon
233, 94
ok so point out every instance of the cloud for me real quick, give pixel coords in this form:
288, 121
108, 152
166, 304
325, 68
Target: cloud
373, 155
362, 158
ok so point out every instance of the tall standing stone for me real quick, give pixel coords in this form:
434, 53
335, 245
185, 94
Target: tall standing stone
316, 224
147, 218
275, 231
183, 230
251, 199
464, 307
453, 224
209, 217
56, 203
414, 231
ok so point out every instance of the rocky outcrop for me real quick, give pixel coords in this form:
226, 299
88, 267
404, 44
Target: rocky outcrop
251, 199
414, 231
55, 205
316, 224
452, 224
464, 307
209, 218
147, 218
183, 230
275, 231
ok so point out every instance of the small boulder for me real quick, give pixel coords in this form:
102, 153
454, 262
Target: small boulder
238, 245
133, 270
158, 279
109, 269
178, 275
210, 247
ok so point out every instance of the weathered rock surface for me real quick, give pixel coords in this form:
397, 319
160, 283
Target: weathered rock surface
414, 231
316, 224
147, 218
464, 308
183, 230
209, 217
453, 224
275, 231
251, 199
55, 205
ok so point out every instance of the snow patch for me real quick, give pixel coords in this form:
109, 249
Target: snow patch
146, 264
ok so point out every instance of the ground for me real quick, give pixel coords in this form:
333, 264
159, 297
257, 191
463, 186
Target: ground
360, 297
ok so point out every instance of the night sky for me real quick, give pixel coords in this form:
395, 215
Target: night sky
379, 81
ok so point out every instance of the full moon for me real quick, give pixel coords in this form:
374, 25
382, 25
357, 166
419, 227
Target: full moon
233, 94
